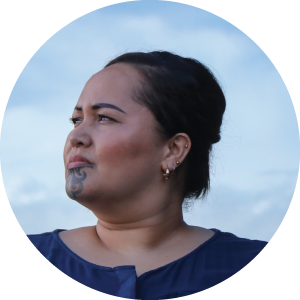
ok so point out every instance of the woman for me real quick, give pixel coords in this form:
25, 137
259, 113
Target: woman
143, 130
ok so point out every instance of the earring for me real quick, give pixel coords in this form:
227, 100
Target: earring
177, 162
186, 146
167, 174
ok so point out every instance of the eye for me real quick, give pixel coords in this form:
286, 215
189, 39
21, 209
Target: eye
105, 118
75, 120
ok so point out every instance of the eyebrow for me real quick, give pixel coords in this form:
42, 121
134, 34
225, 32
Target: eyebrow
102, 105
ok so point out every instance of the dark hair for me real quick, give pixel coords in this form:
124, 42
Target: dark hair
184, 96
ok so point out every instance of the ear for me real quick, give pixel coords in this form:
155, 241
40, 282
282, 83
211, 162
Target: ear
176, 151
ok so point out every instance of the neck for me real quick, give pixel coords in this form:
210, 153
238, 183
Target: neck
142, 235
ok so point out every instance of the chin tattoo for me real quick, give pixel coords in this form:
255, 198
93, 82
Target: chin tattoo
74, 183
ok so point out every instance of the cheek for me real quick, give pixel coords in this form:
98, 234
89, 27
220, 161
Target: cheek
125, 153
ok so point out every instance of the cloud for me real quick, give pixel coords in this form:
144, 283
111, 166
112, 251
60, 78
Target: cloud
32, 144
254, 214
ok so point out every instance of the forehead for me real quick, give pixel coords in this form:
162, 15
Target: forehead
115, 84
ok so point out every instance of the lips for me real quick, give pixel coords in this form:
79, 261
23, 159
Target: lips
78, 161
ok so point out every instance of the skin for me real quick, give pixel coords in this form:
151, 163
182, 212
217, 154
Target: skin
139, 212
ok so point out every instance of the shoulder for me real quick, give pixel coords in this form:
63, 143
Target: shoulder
215, 238
57, 242
42, 237
46, 242
217, 259
230, 240
227, 247
62, 233
223, 255
82, 234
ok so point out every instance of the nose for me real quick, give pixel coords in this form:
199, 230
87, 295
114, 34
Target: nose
80, 138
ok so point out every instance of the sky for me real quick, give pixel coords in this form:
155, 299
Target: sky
254, 166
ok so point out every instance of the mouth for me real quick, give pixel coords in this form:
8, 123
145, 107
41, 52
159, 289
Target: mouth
78, 161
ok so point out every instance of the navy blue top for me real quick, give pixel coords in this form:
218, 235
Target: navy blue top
217, 259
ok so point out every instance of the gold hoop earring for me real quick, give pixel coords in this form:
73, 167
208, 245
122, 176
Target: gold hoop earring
167, 174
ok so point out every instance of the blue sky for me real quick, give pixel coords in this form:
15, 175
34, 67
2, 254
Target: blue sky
254, 167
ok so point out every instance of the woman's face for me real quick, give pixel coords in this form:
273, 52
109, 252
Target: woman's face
114, 152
